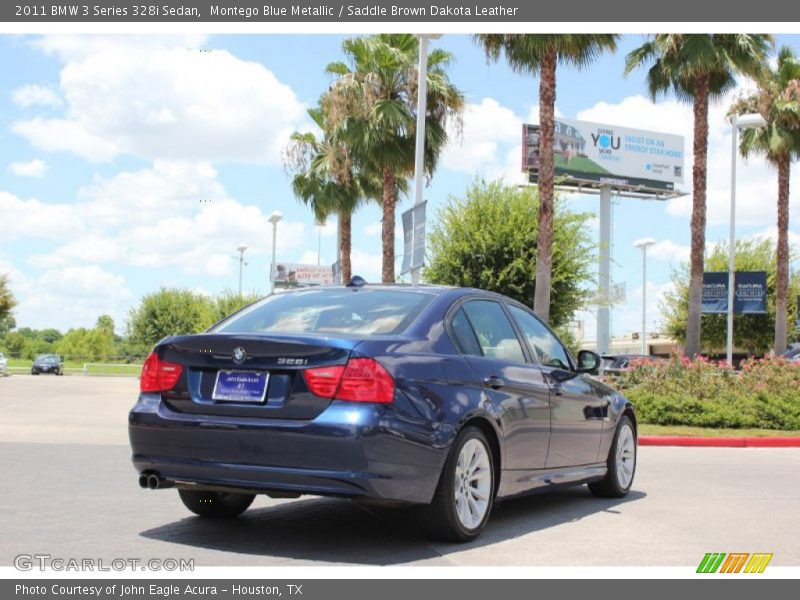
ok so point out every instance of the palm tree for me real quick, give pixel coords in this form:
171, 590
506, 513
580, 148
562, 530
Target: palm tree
698, 68
778, 101
372, 105
532, 54
325, 180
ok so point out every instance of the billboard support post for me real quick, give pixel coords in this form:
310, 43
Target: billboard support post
604, 273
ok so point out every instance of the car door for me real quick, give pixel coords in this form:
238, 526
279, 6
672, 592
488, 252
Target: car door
576, 407
516, 388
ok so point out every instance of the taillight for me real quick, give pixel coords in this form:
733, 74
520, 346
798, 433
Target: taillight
159, 375
361, 380
323, 381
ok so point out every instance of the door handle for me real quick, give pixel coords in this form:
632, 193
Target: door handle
494, 382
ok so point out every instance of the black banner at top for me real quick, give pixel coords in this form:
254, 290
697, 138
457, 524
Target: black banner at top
410, 11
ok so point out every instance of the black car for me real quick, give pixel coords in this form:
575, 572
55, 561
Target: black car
617, 363
47, 363
443, 398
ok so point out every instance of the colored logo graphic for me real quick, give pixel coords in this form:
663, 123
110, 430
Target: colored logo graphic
735, 562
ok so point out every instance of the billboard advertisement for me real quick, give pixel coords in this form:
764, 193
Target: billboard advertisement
750, 296
597, 153
296, 275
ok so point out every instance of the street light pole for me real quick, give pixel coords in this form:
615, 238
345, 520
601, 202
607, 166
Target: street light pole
643, 244
419, 151
274, 218
738, 122
240, 249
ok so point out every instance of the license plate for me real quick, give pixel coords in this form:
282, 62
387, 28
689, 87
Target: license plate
241, 386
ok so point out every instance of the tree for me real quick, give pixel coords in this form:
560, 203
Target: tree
487, 239
372, 106
7, 323
325, 179
752, 332
14, 343
105, 323
698, 68
169, 311
778, 101
7, 301
87, 344
228, 302
532, 54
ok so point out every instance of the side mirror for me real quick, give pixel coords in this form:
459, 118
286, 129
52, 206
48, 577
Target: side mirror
588, 361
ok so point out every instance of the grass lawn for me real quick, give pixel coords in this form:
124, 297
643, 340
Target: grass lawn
686, 430
16, 365
579, 163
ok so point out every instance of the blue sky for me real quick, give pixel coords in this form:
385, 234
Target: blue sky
128, 163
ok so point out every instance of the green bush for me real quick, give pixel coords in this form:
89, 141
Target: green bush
765, 394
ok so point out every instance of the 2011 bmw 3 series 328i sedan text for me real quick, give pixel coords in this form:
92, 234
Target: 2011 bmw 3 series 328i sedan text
446, 398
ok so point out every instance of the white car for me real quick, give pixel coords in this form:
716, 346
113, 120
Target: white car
3, 365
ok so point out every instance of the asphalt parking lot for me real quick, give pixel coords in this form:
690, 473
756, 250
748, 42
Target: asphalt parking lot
70, 491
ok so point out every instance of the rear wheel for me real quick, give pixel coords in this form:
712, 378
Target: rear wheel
219, 505
621, 463
463, 499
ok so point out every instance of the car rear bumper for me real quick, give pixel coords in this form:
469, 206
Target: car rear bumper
353, 450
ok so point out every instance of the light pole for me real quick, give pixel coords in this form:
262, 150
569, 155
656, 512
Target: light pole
320, 223
644, 244
419, 151
274, 218
240, 249
749, 121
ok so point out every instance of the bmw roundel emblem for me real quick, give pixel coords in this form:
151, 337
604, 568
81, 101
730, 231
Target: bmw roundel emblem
239, 355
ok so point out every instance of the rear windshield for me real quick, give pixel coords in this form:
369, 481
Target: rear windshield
338, 311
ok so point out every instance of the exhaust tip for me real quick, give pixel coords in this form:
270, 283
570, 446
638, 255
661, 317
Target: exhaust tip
143, 481
153, 482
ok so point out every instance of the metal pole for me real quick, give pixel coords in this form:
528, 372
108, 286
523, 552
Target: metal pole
644, 300
241, 265
604, 274
272, 269
419, 152
319, 245
732, 242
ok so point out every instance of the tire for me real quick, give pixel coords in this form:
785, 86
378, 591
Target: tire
618, 480
451, 517
216, 505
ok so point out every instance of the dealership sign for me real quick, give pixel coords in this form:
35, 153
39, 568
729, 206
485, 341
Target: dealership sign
750, 292
413, 238
294, 275
618, 156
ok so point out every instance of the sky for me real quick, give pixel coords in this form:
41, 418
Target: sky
128, 163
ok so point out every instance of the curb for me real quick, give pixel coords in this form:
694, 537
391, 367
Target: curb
720, 442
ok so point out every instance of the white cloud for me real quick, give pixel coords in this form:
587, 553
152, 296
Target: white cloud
35, 219
367, 264
669, 251
163, 98
373, 229
33, 168
35, 95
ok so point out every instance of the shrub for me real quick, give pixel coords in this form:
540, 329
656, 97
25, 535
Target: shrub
764, 394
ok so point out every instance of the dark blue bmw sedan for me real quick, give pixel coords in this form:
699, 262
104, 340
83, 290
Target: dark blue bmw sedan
446, 398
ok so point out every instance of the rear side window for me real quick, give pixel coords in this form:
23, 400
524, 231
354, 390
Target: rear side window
330, 311
463, 336
496, 336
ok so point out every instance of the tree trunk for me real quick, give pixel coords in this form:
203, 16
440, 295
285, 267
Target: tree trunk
544, 244
345, 231
782, 287
387, 227
701, 88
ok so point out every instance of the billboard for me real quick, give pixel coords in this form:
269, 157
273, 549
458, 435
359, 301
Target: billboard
296, 275
618, 156
750, 295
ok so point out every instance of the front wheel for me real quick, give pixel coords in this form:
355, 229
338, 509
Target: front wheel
217, 505
463, 499
621, 463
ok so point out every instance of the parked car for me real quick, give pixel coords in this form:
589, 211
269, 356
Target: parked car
444, 398
617, 363
792, 352
3, 365
47, 363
